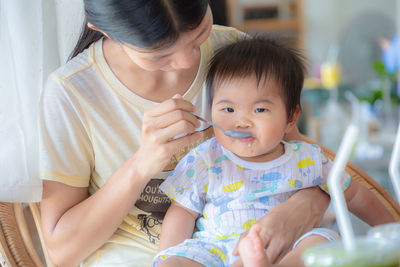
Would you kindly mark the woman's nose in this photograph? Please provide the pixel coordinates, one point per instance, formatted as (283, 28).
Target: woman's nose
(185, 59)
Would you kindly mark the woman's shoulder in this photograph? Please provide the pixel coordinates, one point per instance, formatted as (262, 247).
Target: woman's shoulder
(221, 35)
(77, 75)
(77, 65)
(73, 66)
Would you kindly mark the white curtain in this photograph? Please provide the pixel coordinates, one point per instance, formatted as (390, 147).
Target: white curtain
(36, 36)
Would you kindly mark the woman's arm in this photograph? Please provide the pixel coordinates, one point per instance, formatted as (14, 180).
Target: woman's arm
(288, 221)
(361, 201)
(75, 225)
(365, 205)
(178, 225)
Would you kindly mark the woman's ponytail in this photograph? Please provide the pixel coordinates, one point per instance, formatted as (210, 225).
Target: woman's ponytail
(87, 37)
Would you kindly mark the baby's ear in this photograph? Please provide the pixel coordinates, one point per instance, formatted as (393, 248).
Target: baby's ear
(293, 119)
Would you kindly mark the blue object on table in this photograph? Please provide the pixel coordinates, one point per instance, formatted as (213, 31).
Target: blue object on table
(390, 56)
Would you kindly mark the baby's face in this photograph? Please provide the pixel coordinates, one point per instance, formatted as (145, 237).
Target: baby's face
(239, 105)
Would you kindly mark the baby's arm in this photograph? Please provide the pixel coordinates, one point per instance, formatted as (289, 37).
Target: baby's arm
(177, 226)
(365, 205)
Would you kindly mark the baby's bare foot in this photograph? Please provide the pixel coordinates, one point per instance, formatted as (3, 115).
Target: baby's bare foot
(251, 250)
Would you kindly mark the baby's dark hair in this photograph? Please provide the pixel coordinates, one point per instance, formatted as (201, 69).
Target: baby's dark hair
(265, 58)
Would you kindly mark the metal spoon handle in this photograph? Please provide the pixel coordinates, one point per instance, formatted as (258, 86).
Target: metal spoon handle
(209, 122)
(230, 133)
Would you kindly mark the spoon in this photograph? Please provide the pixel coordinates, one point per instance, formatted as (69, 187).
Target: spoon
(230, 133)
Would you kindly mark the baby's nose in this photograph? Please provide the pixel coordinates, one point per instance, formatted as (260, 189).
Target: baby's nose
(244, 123)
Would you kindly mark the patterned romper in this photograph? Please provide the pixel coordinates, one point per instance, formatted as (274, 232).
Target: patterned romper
(230, 194)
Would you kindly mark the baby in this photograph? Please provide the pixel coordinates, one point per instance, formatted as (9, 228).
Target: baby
(223, 186)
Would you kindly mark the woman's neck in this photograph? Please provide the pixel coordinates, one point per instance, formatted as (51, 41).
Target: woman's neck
(156, 86)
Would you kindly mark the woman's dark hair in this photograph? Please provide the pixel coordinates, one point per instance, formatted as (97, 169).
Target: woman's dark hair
(152, 24)
(266, 59)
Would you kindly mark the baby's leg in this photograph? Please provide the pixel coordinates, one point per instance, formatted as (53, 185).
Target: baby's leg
(192, 252)
(179, 261)
(293, 258)
(251, 250)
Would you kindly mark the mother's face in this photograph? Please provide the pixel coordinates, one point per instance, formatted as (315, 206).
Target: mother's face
(183, 54)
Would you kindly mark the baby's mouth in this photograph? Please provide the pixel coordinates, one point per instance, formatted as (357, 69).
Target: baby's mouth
(248, 140)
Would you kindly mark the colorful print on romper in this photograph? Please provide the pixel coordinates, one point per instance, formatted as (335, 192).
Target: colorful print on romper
(216, 170)
(190, 173)
(220, 159)
(233, 186)
(196, 205)
(269, 182)
(317, 181)
(217, 251)
(298, 146)
(222, 203)
(221, 252)
(248, 224)
(304, 164)
(243, 186)
(181, 190)
(242, 168)
(296, 183)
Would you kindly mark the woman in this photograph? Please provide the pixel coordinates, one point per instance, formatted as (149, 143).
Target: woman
(114, 124)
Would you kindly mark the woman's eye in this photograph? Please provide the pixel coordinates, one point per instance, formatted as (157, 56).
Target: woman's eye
(258, 110)
(157, 58)
(228, 109)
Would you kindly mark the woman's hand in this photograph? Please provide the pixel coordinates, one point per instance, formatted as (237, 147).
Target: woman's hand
(288, 221)
(161, 125)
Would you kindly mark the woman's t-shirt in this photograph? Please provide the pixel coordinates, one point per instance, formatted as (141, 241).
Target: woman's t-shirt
(91, 124)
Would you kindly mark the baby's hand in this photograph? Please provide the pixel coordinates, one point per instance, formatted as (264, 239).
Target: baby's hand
(251, 250)
(274, 236)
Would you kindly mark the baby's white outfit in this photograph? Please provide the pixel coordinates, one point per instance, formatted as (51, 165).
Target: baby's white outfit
(231, 194)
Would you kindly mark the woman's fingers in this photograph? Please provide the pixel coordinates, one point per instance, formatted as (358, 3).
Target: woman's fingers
(174, 131)
(276, 249)
(169, 119)
(174, 116)
(177, 103)
(184, 141)
(166, 128)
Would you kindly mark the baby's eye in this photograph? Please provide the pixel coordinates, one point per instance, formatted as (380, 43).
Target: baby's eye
(228, 110)
(258, 110)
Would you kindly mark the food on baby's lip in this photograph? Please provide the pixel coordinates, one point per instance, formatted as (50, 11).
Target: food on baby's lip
(369, 252)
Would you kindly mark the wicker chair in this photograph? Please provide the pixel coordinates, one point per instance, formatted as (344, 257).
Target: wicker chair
(17, 249)
(16, 246)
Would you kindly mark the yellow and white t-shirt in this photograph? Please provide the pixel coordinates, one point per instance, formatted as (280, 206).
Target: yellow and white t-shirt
(91, 124)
